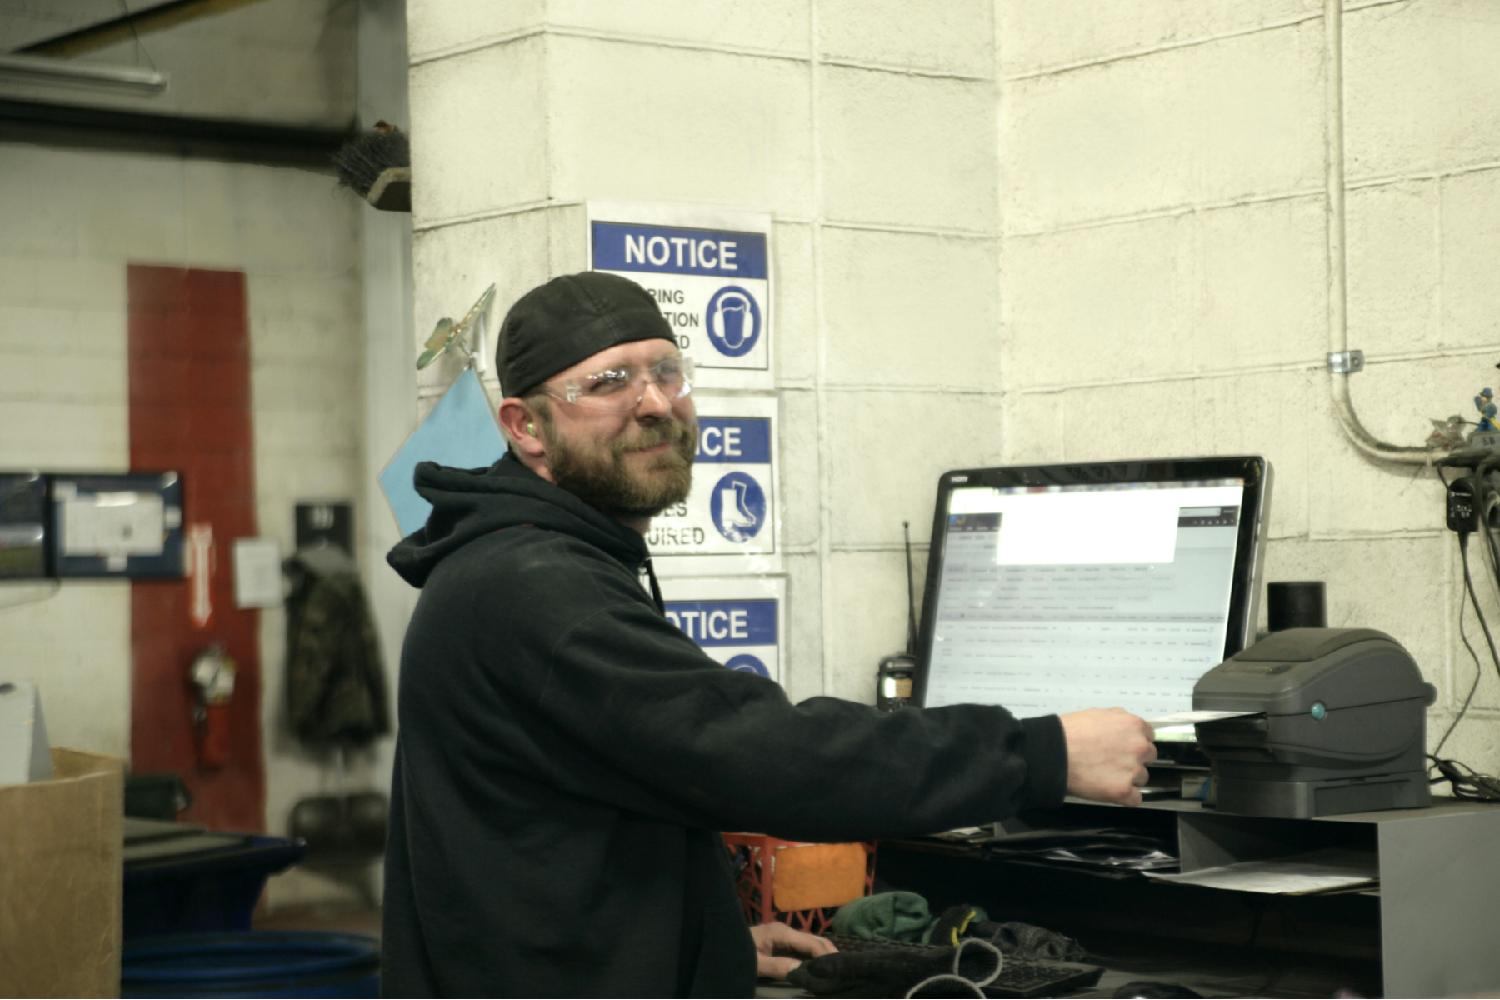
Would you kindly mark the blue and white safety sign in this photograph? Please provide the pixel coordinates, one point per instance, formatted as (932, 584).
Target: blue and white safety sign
(709, 272)
(732, 510)
(736, 621)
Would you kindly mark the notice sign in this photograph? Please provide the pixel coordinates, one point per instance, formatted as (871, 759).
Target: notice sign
(736, 621)
(709, 272)
(731, 511)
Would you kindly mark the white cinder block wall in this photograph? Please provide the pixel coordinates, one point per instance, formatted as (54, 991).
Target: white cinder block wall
(1165, 279)
(63, 255)
(867, 130)
(71, 219)
(1005, 230)
(1022, 230)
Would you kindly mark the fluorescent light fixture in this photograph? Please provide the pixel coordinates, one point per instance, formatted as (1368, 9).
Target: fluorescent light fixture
(48, 69)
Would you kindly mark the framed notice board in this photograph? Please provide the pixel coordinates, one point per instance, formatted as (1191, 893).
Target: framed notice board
(127, 525)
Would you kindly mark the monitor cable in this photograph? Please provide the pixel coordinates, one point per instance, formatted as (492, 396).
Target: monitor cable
(1467, 783)
(1463, 551)
(1488, 499)
(1485, 498)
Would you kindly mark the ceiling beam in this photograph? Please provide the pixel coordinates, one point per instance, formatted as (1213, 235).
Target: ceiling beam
(129, 25)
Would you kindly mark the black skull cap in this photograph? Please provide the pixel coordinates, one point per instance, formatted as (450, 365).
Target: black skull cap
(556, 325)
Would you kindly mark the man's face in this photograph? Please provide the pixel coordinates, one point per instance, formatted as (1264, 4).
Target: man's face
(627, 458)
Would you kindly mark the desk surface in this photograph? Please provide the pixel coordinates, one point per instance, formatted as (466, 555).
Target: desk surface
(1442, 805)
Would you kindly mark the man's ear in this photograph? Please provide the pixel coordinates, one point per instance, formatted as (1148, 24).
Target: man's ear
(520, 426)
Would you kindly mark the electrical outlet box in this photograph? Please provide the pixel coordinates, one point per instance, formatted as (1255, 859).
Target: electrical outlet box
(1461, 515)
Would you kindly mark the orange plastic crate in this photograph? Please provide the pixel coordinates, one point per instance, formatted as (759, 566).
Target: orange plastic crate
(798, 883)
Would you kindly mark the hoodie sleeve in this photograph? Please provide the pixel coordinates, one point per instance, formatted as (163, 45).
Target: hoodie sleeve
(730, 749)
(619, 705)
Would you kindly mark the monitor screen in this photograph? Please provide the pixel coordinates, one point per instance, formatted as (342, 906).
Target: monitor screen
(1063, 587)
(24, 549)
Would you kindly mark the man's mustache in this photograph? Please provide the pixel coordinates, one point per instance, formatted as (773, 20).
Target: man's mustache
(674, 432)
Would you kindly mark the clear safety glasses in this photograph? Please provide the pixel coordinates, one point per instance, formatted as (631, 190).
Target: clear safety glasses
(621, 388)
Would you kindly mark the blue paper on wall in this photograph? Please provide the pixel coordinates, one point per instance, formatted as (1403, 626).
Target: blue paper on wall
(460, 431)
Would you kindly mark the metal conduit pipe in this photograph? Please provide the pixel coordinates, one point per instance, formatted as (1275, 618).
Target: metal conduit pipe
(1338, 292)
(309, 146)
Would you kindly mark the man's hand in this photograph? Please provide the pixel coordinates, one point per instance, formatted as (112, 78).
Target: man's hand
(776, 944)
(1108, 749)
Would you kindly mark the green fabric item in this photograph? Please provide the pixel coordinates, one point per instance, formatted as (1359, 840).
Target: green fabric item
(894, 916)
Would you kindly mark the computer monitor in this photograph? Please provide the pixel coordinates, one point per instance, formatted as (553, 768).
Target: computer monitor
(1054, 588)
(25, 544)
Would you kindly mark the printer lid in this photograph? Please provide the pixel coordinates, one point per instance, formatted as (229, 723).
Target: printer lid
(1299, 645)
(1287, 672)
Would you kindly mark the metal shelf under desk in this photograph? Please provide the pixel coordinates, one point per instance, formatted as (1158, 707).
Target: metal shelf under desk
(1427, 930)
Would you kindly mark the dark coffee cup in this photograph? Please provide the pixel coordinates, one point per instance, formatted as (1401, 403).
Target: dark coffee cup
(1295, 604)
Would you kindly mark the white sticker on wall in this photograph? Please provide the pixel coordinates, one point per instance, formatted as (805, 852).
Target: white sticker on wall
(709, 272)
(738, 622)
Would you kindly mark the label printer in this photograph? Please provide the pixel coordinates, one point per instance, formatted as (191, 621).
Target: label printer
(1339, 725)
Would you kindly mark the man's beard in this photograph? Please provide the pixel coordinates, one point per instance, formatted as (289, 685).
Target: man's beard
(603, 480)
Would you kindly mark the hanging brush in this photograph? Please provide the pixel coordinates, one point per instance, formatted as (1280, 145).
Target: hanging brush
(377, 165)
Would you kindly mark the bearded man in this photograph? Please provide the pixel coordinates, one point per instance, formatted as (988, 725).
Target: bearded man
(567, 758)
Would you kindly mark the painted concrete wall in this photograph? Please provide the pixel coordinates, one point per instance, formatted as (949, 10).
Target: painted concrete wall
(390, 382)
(867, 130)
(1005, 230)
(72, 219)
(1022, 230)
(1165, 281)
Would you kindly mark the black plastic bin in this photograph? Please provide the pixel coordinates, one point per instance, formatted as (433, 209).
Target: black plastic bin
(252, 964)
(199, 882)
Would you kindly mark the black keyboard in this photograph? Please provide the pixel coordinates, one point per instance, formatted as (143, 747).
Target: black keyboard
(1019, 977)
(1038, 977)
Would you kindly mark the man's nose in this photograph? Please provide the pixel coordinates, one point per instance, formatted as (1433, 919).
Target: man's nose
(653, 402)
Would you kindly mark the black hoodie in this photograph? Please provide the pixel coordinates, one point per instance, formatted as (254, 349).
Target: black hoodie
(567, 757)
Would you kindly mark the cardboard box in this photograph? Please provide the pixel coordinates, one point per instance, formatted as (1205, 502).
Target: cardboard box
(60, 879)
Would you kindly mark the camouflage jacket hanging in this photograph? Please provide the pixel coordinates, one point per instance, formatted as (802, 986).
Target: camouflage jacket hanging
(335, 682)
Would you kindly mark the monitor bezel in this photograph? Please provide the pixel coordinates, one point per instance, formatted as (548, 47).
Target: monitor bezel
(1244, 599)
(36, 486)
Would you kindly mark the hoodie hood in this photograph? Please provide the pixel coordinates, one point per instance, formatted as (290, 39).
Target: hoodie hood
(469, 503)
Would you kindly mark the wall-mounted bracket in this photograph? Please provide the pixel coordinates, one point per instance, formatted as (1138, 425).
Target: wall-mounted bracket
(1346, 362)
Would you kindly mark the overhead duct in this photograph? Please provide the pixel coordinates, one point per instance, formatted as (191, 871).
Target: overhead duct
(128, 26)
(45, 69)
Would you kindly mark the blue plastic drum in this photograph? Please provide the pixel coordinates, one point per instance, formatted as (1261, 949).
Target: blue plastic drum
(252, 964)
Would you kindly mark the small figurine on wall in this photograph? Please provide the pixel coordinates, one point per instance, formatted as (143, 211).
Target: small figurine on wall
(1485, 404)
